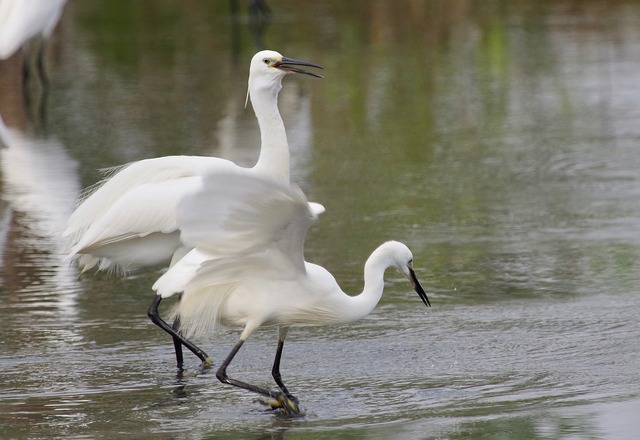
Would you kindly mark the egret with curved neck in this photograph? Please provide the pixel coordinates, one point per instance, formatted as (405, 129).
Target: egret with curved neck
(130, 219)
(247, 269)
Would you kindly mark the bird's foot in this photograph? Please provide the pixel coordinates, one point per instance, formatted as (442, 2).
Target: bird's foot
(287, 402)
(207, 363)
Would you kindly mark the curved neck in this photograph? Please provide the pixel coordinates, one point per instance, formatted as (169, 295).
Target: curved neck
(274, 151)
(359, 306)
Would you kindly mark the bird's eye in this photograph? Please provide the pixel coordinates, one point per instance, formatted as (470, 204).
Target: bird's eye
(266, 61)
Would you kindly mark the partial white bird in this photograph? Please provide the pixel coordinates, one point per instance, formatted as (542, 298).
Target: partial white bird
(22, 20)
(130, 221)
(247, 269)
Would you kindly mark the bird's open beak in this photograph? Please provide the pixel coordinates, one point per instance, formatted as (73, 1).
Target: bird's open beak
(419, 290)
(290, 65)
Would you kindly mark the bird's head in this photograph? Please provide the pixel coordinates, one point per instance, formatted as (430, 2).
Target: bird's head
(268, 67)
(402, 259)
(272, 64)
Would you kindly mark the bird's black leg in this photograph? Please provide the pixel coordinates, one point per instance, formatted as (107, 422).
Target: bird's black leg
(177, 345)
(280, 399)
(178, 339)
(221, 374)
(275, 371)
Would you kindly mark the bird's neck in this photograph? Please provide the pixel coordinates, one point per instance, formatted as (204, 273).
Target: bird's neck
(361, 305)
(274, 151)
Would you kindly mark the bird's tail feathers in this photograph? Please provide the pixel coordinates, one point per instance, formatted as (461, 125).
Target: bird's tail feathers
(199, 310)
(87, 262)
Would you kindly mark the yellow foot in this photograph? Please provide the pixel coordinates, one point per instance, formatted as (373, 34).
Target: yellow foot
(207, 363)
(288, 403)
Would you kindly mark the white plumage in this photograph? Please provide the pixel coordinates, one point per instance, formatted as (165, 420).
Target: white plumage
(129, 220)
(21, 20)
(249, 260)
(247, 267)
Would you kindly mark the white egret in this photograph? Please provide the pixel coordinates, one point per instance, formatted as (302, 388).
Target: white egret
(130, 220)
(247, 269)
(22, 20)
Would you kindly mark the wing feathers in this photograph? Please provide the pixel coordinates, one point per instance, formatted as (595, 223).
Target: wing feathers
(133, 202)
(235, 215)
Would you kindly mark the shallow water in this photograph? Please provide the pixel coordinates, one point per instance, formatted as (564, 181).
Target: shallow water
(499, 142)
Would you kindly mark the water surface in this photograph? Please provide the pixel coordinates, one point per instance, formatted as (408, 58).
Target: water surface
(499, 141)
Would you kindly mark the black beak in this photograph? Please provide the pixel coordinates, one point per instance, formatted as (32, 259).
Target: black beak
(419, 290)
(289, 65)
